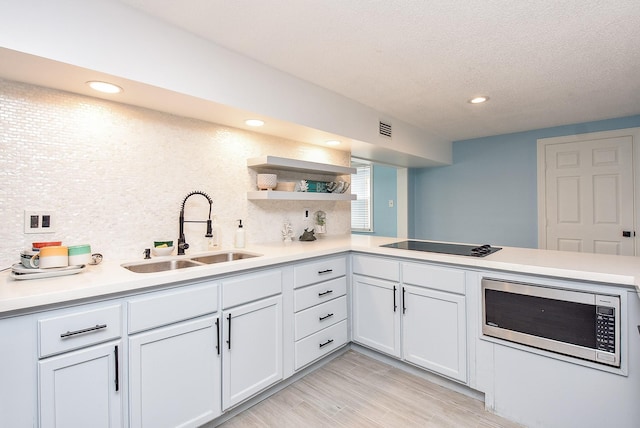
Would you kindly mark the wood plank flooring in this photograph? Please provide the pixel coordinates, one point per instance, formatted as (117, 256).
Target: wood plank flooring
(354, 390)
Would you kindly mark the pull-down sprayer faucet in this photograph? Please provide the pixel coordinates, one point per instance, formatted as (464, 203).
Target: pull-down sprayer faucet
(182, 245)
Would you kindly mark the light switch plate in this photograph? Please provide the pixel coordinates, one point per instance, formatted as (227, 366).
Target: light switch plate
(38, 222)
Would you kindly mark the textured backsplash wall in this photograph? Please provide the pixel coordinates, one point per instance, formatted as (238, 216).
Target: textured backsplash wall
(114, 176)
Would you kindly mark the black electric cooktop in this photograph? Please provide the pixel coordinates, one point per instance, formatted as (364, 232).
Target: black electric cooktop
(445, 248)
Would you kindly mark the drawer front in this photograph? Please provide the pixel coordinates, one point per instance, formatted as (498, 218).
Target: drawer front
(167, 307)
(435, 277)
(250, 287)
(318, 317)
(320, 344)
(79, 329)
(321, 270)
(315, 294)
(376, 267)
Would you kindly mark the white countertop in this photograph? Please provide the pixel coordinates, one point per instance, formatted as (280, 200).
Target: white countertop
(110, 278)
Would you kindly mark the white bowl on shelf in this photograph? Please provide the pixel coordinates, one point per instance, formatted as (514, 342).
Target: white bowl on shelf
(267, 181)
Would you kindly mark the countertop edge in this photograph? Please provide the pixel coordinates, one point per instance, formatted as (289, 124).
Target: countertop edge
(110, 279)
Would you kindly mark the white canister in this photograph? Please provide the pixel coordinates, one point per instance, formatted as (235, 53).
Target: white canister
(79, 255)
(51, 257)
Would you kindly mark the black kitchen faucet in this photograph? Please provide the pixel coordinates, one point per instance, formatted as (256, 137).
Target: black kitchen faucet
(182, 245)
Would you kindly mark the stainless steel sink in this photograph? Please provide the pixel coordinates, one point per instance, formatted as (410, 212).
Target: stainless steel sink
(165, 265)
(223, 257)
(162, 266)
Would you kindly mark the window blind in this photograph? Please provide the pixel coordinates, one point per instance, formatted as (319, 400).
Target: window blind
(361, 207)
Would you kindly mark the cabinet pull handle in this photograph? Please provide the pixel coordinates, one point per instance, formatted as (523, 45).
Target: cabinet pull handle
(84, 330)
(395, 305)
(218, 335)
(229, 339)
(117, 380)
(325, 293)
(322, 272)
(404, 308)
(326, 343)
(325, 317)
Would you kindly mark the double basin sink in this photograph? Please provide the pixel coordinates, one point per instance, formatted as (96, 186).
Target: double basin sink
(173, 264)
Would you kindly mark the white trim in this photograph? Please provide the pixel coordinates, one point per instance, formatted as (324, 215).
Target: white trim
(402, 203)
(634, 133)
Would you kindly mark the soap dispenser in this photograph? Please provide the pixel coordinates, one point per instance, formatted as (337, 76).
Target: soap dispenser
(239, 238)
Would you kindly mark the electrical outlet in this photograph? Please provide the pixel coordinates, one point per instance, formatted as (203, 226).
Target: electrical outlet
(390, 203)
(306, 214)
(38, 222)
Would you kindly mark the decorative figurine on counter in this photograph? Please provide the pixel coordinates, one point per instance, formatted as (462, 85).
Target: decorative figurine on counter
(307, 235)
(321, 222)
(287, 231)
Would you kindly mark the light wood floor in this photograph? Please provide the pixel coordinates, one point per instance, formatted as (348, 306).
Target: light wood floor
(357, 391)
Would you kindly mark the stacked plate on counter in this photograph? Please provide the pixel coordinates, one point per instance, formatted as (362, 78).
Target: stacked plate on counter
(49, 259)
(18, 271)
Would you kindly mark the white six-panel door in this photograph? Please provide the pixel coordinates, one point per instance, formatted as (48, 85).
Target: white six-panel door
(588, 194)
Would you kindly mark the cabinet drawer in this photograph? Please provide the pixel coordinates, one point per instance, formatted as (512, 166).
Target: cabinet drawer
(319, 344)
(376, 267)
(320, 270)
(250, 287)
(436, 277)
(314, 294)
(74, 330)
(168, 307)
(318, 317)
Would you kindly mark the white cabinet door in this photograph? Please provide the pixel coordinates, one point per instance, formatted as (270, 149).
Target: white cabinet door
(81, 388)
(376, 314)
(174, 375)
(252, 349)
(434, 331)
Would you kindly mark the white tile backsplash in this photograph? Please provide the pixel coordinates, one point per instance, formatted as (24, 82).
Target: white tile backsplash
(115, 175)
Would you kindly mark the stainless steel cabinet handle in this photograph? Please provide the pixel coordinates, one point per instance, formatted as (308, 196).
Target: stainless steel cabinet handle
(325, 317)
(395, 306)
(229, 338)
(218, 334)
(326, 343)
(404, 300)
(84, 330)
(117, 380)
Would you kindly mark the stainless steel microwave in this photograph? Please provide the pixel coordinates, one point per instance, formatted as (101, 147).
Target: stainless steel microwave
(579, 324)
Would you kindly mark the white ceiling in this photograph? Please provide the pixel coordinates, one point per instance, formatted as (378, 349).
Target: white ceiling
(543, 63)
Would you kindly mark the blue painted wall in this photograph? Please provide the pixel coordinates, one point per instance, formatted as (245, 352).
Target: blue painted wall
(385, 188)
(489, 194)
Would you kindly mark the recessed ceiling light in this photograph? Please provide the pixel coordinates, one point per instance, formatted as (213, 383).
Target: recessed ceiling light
(479, 100)
(254, 122)
(105, 87)
(332, 143)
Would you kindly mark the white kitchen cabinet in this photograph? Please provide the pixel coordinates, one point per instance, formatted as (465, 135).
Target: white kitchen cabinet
(434, 319)
(175, 375)
(79, 375)
(320, 309)
(82, 388)
(174, 357)
(434, 331)
(420, 319)
(284, 164)
(376, 307)
(376, 314)
(251, 331)
(252, 349)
